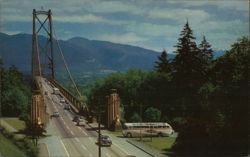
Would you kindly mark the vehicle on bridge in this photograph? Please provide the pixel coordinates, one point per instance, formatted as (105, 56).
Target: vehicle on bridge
(66, 106)
(147, 129)
(80, 122)
(104, 141)
(56, 90)
(55, 114)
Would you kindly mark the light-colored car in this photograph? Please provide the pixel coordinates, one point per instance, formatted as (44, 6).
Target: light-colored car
(55, 114)
(62, 100)
(80, 122)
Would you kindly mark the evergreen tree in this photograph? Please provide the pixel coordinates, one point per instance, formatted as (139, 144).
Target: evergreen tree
(187, 64)
(206, 56)
(188, 72)
(163, 65)
(206, 51)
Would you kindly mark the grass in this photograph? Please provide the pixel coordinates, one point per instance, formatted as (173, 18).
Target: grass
(16, 123)
(159, 143)
(7, 148)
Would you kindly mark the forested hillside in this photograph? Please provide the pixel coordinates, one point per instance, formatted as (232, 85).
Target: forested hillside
(204, 99)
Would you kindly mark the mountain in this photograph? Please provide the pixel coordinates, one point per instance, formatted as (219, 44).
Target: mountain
(82, 55)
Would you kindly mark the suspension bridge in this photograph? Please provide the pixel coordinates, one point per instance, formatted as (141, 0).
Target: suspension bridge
(43, 66)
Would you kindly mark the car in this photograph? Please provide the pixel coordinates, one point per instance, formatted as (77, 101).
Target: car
(80, 121)
(66, 106)
(62, 100)
(76, 118)
(55, 114)
(104, 141)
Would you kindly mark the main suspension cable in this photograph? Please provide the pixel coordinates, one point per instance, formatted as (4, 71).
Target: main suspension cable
(65, 63)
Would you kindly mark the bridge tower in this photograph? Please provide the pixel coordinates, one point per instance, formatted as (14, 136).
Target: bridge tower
(113, 108)
(42, 20)
(42, 23)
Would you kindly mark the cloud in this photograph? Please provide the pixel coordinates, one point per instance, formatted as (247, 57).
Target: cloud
(153, 30)
(148, 23)
(114, 7)
(182, 14)
(89, 18)
(239, 5)
(126, 38)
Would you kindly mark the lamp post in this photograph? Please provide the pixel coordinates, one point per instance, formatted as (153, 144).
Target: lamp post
(140, 122)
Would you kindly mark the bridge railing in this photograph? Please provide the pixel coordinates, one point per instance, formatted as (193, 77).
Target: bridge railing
(77, 105)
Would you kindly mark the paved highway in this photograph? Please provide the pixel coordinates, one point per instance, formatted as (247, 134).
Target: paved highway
(68, 140)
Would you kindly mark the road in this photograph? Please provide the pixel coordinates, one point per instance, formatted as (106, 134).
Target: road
(66, 139)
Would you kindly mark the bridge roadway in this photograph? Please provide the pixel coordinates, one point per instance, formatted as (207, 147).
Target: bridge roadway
(65, 139)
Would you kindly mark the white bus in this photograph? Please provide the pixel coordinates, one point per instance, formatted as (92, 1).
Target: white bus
(147, 129)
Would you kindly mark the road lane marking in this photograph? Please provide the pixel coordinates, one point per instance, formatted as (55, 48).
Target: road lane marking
(65, 148)
(108, 155)
(91, 139)
(83, 147)
(77, 139)
(82, 130)
(90, 155)
(121, 149)
(47, 149)
(67, 127)
(72, 132)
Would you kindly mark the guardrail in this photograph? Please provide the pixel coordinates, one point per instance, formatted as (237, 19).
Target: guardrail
(77, 105)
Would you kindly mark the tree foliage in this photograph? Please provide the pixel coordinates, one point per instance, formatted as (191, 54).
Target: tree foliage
(163, 64)
(15, 94)
(152, 115)
(204, 99)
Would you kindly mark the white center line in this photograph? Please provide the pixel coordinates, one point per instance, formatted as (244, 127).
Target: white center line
(121, 149)
(47, 149)
(83, 147)
(82, 131)
(77, 139)
(90, 155)
(72, 132)
(108, 155)
(65, 148)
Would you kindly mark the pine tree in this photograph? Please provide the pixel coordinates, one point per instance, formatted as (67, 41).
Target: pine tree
(205, 56)
(163, 65)
(187, 65)
(206, 51)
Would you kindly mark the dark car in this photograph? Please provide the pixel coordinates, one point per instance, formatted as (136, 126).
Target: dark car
(77, 118)
(104, 141)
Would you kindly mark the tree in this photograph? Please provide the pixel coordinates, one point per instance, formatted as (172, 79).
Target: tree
(152, 115)
(135, 117)
(15, 94)
(163, 65)
(188, 71)
(206, 56)
(187, 65)
(206, 51)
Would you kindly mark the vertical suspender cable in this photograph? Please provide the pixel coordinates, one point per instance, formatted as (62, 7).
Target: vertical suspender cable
(65, 64)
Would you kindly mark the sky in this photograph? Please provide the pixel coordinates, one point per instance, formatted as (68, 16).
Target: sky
(151, 24)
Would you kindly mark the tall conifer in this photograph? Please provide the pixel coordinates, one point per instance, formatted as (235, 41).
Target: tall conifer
(163, 65)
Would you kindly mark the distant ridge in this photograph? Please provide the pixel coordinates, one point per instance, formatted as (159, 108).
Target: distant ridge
(81, 54)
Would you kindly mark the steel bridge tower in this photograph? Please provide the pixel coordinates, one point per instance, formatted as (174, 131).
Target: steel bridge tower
(45, 24)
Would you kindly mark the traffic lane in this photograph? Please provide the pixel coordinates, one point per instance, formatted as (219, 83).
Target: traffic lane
(120, 143)
(71, 143)
(65, 133)
(89, 142)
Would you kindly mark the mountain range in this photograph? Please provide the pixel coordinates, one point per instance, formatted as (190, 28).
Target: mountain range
(82, 55)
